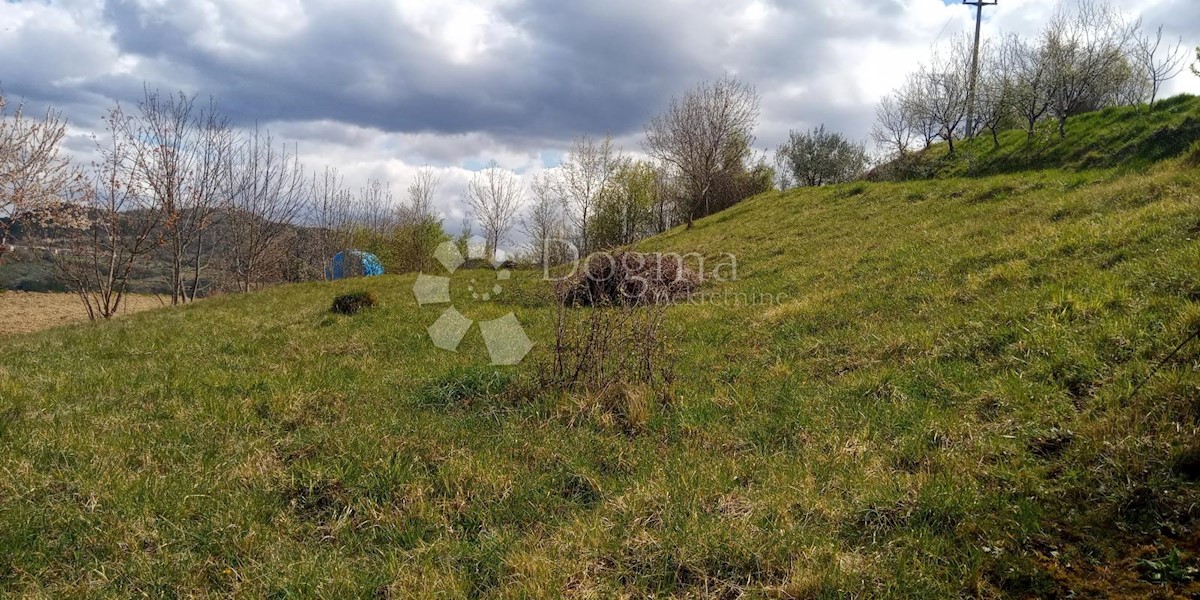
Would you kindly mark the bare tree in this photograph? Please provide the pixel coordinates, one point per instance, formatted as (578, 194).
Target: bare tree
(186, 165)
(374, 208)
(494, 196)
(1159, 63)
(918, 109)
(945, 87)
(418, 229)
(994, 98)
(666, 197)
(1085, 49)
(122, 223)
(582, 179)
(215, 184)
(269, 196)
(330, 215)
(421, 193)
(705, 135)
(893, 130)
(35, 177)
(1029, 68)
(543, 221)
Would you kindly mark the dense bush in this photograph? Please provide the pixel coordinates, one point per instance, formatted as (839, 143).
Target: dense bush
(820, 157)
(354, 303)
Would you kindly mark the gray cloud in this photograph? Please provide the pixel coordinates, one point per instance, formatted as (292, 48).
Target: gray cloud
(379, 87)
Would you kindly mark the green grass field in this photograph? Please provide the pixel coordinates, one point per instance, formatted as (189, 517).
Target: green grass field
(938, 407)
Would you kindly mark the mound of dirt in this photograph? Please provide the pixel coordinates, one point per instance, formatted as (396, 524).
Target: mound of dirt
(629, 278)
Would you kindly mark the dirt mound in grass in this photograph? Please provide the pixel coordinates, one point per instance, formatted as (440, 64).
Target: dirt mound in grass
(629, 278)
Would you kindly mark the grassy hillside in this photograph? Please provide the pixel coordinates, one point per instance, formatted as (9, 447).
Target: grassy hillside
(939, 406)
(1128, 138)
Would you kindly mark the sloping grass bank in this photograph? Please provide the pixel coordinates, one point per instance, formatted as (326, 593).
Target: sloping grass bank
(937, 405)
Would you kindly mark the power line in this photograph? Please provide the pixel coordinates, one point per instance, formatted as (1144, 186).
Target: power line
(943, 31)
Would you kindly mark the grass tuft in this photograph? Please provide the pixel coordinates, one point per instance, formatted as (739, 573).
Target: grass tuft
(1193, 156)
(466, 386)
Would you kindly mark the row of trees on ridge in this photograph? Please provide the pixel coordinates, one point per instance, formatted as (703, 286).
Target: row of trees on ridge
(1090, 56)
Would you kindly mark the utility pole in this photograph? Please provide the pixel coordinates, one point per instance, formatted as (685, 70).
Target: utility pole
(978, 4)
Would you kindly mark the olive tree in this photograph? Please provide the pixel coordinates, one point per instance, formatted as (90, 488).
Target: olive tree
(821, 157)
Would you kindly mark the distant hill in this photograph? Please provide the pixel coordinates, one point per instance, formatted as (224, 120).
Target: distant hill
(30, 267)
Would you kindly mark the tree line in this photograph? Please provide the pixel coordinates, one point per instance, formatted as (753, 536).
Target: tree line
(219, 209)
(229, 210)
(1088, 57)
(174, 183)
(698, 158)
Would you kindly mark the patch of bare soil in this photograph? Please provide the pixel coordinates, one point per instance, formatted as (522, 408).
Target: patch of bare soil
(1166, 570)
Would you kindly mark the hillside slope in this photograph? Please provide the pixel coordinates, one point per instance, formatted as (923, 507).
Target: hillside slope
(938, 405)
(1129, 138)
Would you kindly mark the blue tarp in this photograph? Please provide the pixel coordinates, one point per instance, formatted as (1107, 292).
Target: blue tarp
(360, 263)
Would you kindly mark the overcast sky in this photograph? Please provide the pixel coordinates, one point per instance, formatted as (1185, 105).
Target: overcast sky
(379, 88)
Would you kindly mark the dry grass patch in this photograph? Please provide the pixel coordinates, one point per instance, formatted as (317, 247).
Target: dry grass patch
(27, 312)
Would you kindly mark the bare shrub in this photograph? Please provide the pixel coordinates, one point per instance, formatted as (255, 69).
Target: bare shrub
(629, 278)
(609, 349)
